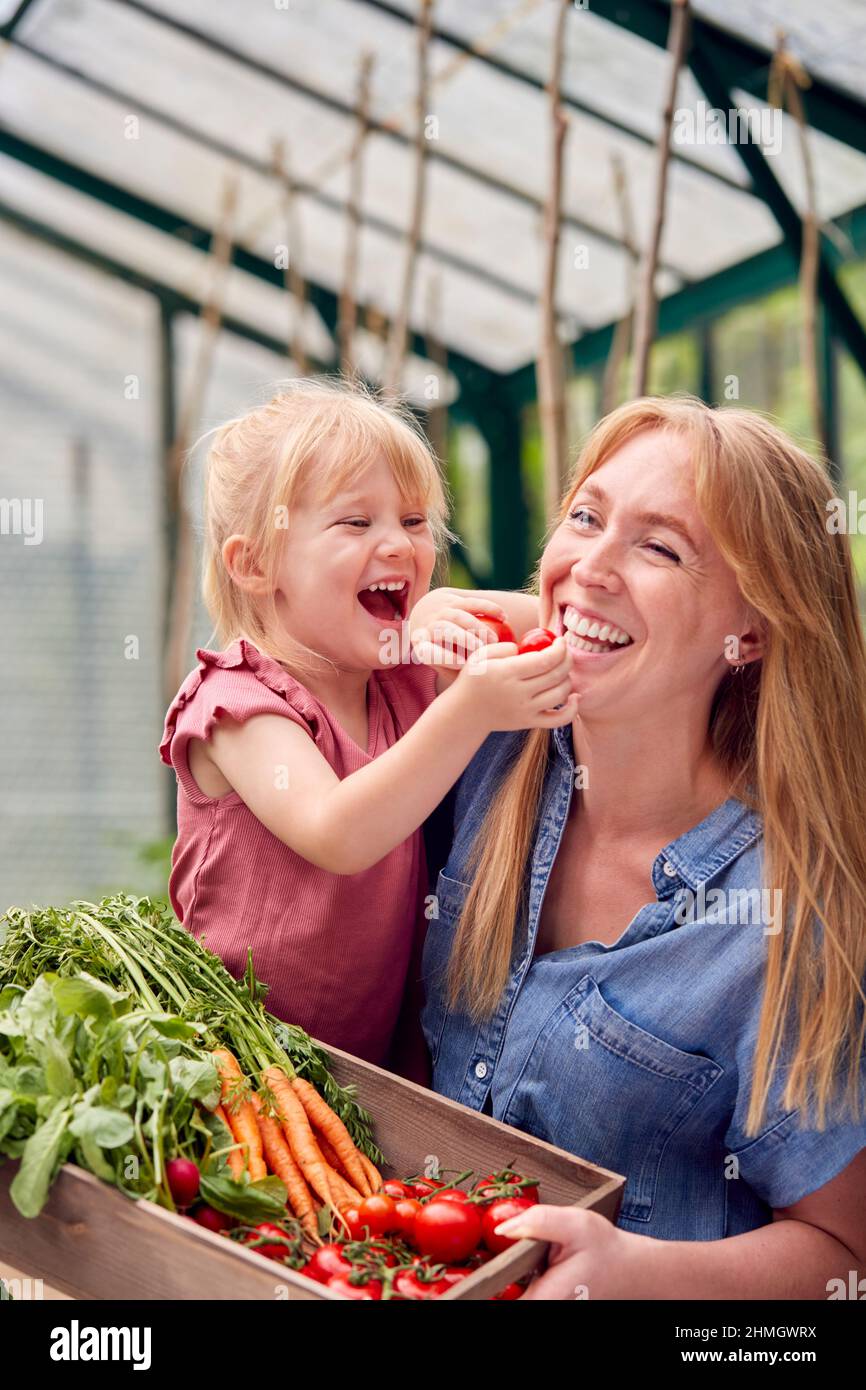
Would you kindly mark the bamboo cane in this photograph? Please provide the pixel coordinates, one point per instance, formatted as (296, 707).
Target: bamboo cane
(293, 277)
(400, 323)
(645, 303)
(623, 331)
(181, 582)
(348, 308)
(787, 79)
(549, 368)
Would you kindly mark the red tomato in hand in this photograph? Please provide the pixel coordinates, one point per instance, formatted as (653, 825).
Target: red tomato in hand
(535, 640)
(499, 1211)
(502, 629)
(447, 1231)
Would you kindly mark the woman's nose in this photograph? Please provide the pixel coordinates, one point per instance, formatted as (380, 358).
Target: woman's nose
(597, 565)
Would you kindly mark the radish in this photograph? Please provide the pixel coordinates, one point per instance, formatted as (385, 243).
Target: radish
(183, 1181)
(212, 1220)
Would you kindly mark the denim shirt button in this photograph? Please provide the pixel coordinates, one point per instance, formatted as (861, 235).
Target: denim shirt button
(669, 869)
(481, 1070)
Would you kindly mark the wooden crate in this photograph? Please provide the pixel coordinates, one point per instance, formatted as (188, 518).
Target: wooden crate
(91, 1241)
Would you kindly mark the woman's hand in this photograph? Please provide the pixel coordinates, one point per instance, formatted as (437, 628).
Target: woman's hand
(589, 1257)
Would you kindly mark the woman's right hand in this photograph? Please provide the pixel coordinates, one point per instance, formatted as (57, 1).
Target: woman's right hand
(509, 692)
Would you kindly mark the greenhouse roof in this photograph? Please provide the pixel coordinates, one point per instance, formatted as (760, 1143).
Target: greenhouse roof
(123, 119)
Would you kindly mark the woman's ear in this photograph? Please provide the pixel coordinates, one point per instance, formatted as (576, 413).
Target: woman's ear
(241, 565)
(751, 644)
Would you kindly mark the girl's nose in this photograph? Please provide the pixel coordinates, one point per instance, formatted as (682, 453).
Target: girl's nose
(397, 542)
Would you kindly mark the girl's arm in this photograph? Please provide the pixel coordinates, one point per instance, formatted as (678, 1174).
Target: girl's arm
(348, 825)
(818, 1239)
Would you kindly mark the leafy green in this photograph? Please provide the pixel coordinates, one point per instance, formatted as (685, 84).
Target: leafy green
(251, 1201)
(137, 947)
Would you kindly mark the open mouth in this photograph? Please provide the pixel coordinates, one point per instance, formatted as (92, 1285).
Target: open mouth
(386, 600)
(586, 633)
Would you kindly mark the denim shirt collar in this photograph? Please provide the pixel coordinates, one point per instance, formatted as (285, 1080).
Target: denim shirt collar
(701, 852)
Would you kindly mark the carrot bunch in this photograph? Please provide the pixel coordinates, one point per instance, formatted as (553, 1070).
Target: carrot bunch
(288, 1128)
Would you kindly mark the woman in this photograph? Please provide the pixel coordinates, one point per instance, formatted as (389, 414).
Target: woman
(650, 946)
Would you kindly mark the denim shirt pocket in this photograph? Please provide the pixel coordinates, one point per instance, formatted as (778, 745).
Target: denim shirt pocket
(448, 899)
(607, 1090)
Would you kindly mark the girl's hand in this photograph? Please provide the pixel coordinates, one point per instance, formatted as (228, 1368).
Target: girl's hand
(504, 691)
(588, 1257)
(444, 626)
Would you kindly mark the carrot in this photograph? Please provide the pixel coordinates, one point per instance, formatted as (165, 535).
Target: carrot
(374, 1177)
(279, 1156)
(240, 1113)
(298, 1131)
(322, 1116)
(234, 1157)
(346, 1194)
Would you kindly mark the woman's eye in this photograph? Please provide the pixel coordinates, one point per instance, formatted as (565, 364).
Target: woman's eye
(663, 550)
(582, 515)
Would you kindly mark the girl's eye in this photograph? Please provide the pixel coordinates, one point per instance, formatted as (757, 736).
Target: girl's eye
(355, 521)
(414, 521)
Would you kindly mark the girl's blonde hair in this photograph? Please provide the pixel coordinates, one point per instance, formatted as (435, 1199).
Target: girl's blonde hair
(789, 730)
(314, 431)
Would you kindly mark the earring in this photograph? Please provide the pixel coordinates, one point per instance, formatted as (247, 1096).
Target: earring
(737, 667)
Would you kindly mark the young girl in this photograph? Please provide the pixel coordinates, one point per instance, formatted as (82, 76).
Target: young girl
(306, 760)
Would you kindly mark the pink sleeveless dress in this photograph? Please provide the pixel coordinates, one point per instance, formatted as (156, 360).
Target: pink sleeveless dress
(335, 950)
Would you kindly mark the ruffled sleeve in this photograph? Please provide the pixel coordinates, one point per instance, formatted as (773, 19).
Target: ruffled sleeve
(238, 683)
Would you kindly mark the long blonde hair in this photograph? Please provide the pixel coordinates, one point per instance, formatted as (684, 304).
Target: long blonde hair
(791, 726)
(313, 430)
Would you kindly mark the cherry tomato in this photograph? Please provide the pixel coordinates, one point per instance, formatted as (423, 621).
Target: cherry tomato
(278, 1251)
(498, 1211)
(377, 1212)
(510, 1292)
(493, 1183)
(396, 1189)
(327, 1261)
(212, 1220)
(409, 1285)
(405, 1211)
(535, 640)
(369, 1291)
(422, 1187)
(447, 1231)
(450, 1194)
(503, 630)
(353, 1223)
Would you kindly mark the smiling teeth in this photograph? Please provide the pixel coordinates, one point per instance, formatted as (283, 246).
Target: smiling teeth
(389, 584)
(591, 628)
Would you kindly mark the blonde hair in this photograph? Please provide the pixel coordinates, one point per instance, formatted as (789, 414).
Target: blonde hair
(258, 464)
(790, 731)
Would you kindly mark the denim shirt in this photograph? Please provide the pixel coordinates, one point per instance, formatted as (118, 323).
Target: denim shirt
(635, 1056)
